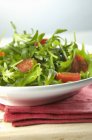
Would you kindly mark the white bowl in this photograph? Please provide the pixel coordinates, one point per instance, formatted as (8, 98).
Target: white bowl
(38, 95)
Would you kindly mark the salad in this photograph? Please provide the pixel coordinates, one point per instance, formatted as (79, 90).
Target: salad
(31, 59)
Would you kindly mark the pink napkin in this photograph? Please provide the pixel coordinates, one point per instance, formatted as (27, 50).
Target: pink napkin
(77, 108)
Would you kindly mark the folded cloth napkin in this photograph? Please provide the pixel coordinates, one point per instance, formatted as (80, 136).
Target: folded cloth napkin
(2, 107)
(77, 108)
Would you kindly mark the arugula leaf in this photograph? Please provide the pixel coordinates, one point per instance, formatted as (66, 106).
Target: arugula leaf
(58, 31)
(90, 69)
(30, 76)
(50, 77)
(13, 26)
(6, 74)
(66, 65)
(41, 36)
(35, 36)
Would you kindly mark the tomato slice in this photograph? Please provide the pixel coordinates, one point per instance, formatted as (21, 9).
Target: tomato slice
(79, 64)
(43, 41)
(2, 53)
(25, 65)
(67, 76)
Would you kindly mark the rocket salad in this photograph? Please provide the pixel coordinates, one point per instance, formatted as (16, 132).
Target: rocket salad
(33, 60)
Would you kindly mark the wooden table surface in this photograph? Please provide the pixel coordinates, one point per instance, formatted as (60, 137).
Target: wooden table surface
(47, 132)
(75, 131)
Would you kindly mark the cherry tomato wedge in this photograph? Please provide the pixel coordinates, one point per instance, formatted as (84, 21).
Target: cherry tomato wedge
(79, 64)
(43, 41)
(67, 76)
(25, 65)
(2, 53)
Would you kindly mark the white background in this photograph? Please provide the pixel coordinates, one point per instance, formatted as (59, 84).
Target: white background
(46, 15)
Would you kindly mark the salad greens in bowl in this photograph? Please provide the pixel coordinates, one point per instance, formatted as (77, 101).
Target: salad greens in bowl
(40, 69)
(33, 60)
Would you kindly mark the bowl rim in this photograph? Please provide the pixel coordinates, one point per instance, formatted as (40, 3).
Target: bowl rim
(49, 86)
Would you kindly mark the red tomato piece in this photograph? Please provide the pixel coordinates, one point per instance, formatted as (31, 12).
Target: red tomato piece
(66, 77)
(79, 64)
(43, 41)
(25, 65)
(2, 53)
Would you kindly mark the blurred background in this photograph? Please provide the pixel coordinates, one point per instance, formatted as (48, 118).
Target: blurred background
(46, 15)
